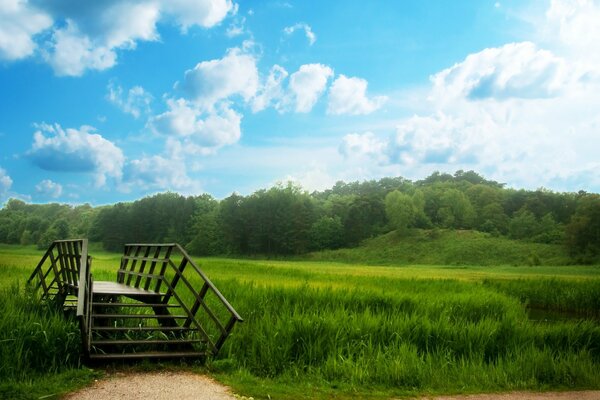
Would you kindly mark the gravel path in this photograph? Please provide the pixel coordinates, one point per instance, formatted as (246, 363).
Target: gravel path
(190, 386)
(154, 385)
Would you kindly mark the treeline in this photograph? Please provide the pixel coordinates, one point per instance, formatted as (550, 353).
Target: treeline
(287, 220)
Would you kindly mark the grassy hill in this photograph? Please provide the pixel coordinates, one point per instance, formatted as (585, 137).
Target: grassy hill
(447, 247)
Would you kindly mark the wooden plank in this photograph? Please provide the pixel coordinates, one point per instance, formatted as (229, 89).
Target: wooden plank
(103, 304)
(165, 354)
(114, 288)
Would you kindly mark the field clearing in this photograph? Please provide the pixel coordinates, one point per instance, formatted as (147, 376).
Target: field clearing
(335, 330)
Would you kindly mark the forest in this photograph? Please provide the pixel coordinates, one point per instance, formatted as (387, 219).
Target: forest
(287, 220)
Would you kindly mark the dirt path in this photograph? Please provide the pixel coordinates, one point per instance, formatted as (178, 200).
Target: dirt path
(190, 386)
(154, 385)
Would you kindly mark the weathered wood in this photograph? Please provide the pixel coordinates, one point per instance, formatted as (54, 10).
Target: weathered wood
(142, 272)
(120, 289)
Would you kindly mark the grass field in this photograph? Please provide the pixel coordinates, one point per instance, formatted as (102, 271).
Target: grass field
(448, 247)
(322, 329)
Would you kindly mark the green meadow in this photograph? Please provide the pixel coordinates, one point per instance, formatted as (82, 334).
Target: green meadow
(319, 328)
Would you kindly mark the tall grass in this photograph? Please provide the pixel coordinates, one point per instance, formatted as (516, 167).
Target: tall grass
(415, 336)
(578, 297)
(39, 348)
(332, 330)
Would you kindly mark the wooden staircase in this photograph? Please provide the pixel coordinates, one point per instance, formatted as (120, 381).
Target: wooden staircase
(161, 305)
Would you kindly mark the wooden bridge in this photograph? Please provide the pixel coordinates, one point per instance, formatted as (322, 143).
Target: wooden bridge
(160, 306)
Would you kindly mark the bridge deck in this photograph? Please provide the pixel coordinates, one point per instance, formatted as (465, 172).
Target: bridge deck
(114, 288)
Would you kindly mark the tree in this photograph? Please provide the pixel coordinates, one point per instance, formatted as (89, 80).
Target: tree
(456, 210)
(326, 233)
(400, 211)
(583, 232)
(523, 225)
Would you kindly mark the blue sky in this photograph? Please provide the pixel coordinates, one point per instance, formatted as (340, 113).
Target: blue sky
(110, 101)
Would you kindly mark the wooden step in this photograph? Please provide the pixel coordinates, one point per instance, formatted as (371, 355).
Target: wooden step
(140, 328)
(143, 316)
(161, 305)
(146, 355)
(146, 341)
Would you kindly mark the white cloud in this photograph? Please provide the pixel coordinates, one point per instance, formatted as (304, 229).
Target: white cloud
(515, 70)
(136, 103)
(271, 93)
(19, 22)
(76, 150)
(88, 35)
(47, 188)
(236, 28)
(307, 85)
(517, 113)
(211, 81)
(158, 173)
(5, 183)
(203, 13)
(574, 25)
(315, 178)
(363, 145)
(201, 133)
(310, 35)
(71, 53)
(349, 96)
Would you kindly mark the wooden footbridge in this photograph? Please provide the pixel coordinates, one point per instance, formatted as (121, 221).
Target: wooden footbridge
(161, 305)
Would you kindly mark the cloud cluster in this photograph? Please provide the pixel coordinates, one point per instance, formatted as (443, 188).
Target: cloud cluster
(212, 81)
(19, 23)
(76, 150)
(518, 113)
(201, 133)
(158, 173)
(515, 70)
(349, 96)
(47, 188)
(136, 102)
(87, 35)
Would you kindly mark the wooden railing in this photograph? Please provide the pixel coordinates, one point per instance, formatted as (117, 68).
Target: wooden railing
(64, 271)
(169, 270)
(160, 273)
(58, 272)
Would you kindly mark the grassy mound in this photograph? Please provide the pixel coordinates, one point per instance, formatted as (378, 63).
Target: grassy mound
(447, 247)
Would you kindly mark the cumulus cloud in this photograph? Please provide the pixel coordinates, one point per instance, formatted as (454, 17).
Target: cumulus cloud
(308, 84)
(515, 70)
(271, 93)
(349, 96)
(574, 25)
(356, 145)
(136, 102)
(203, 13)
(47, 188)
(310, 35)
(519, 113)
(19, 22)
(201, 132)
(87, 35)
(211, 81)
(158, 172)
(76, 150)
(5, 183)
(71, 53)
